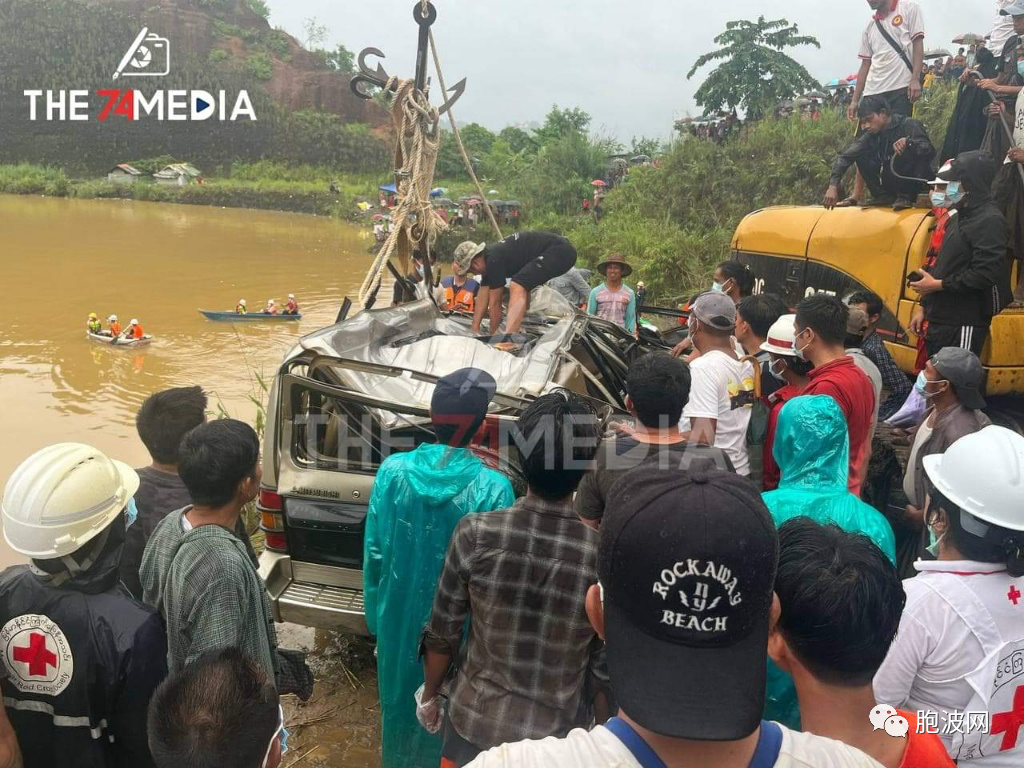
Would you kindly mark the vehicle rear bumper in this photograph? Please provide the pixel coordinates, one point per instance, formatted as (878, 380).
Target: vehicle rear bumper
(297, 599)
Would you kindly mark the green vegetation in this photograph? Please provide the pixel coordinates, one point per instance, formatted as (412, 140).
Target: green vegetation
(260, 66)
(755, 74)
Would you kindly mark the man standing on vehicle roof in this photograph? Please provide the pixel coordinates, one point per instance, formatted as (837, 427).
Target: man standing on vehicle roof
(970, 282)
(892, 59)
(418, 498)
(528, 259)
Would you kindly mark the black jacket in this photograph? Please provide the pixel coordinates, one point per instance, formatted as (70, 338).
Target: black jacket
(81, 663)
(872, 153)
(973, 263)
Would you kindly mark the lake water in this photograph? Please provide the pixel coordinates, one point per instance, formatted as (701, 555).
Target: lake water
(61, 259)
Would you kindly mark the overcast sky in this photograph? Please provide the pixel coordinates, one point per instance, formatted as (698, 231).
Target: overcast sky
(623, 61)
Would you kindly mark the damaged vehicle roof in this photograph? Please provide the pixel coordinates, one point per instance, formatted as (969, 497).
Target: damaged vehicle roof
(395, 354)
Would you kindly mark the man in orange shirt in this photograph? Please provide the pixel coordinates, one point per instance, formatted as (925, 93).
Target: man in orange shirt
(134, 330)
(115, 327)
(823, 640)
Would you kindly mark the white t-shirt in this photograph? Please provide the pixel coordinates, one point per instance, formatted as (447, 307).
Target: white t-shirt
(1002, 29)
(905, 24)
(1018, 124)
(600, 748)
(722, 388)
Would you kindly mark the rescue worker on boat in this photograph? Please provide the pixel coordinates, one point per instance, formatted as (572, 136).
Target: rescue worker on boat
(240, 308)
(271, 308)
(94, 326)
(134, 330)
(292, 308)
(114, 327)
(960, 645)
(81, 658)
(460, 293)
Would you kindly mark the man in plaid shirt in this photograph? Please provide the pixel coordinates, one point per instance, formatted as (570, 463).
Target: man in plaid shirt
(894, 381)
(530, 664)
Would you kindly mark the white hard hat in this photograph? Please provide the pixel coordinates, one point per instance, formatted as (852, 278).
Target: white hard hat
(133, 321)
(61, 497)
(983, 474)
(782, 337)
(242, 302)
(939, 182)
(291, 295)
(112, 319)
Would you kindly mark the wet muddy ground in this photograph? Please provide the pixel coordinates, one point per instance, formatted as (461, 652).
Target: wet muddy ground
(339, 727)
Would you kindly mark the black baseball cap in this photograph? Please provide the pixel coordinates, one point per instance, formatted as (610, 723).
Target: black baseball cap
(461, 399)
(687, 568)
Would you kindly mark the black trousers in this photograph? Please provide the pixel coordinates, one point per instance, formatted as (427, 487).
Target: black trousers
(970, 337)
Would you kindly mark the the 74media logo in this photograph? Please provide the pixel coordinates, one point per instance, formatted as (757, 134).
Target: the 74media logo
(149, 55)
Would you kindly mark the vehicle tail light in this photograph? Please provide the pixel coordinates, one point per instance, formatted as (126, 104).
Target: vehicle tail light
(271, 509)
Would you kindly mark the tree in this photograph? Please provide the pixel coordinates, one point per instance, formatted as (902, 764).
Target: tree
(517, 139)
(644, 146)
(341, 59)
(560, 123)
(755, 74)
(314, 31)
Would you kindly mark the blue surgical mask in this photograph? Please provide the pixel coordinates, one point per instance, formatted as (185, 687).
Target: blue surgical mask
(131, 513)
(1020, 68)
(922, 382)
(718, 287)
(939, 200)
(933, 548)
(954, 192)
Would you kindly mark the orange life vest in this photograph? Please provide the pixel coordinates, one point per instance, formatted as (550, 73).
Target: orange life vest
(460, 299)
(136, 331)
(115, 329)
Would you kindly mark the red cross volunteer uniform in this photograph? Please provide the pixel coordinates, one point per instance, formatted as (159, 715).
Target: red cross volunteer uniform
(904, 23)
(960, 646)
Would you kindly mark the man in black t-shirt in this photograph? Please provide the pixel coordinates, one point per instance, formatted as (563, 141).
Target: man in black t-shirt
(528, 259)
(658, 386)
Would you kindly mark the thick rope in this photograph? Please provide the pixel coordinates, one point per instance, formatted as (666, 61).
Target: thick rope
(414, 222)
(458, 139)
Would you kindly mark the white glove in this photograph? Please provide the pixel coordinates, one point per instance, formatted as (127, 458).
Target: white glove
(429, 713)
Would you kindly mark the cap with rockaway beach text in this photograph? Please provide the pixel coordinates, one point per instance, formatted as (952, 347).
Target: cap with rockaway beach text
(687, 566)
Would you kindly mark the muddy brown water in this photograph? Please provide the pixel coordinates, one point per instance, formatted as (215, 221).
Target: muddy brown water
(62, 259)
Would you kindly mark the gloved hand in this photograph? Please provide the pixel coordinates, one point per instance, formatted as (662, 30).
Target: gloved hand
(429, 713)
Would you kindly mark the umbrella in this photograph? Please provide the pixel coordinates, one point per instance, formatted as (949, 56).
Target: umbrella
(474, 201)
(968, 39)
(465, 199)
(852, 78)
(815, 95)
(378, 216)
(598, 183)
(640, 159)
(388, 188)
(493, 192)
(438, 191)
(513, 204)
(443, 201)
(937, 53)
(839, 83)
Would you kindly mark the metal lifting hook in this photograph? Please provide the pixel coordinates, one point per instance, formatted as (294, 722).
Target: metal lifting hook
(425, 14)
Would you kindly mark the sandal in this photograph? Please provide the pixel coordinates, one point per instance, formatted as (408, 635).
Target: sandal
(850, 202)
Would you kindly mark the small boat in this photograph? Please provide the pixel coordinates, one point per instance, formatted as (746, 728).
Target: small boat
(104, 338)
(235, 317)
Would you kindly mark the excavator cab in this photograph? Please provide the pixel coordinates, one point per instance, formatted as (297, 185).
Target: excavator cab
(800, 251)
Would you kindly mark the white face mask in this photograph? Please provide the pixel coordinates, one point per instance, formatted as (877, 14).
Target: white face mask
(797, 350)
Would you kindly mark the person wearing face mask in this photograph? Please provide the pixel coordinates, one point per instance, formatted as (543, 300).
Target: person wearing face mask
(961, 636)
(951, 383)
(722, 390)
(221, 710)
(790, 373)
(820, 332)
(80, 657)
(970, 282)
(731, 278)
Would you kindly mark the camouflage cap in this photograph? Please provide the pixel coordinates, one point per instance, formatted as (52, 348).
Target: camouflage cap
(464, 255)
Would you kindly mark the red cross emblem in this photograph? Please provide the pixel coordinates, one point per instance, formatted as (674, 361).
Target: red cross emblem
(36, 655)
(1010, 723)
(1014, 594)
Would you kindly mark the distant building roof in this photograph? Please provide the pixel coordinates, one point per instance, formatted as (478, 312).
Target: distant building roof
(175, 170)
(130, 170)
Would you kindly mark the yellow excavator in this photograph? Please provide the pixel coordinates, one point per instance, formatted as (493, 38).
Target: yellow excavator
(799, 251)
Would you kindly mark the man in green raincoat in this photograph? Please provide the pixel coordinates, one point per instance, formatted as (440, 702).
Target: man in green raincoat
(417, 500)
(812, 449)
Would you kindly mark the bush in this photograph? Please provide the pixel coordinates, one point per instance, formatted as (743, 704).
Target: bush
(260, 66)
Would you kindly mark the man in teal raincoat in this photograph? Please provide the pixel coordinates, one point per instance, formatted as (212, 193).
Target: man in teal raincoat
(812, 449)
(417, 500)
